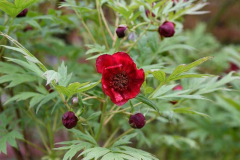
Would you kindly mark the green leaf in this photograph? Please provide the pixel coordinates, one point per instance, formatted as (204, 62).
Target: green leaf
(190, 76)
(22, 96)
(65, 78)
(148, 102)
(196, 63)
(163, 89)
(46, 99)
(16, 49)
(189, 111)
(16, 79)
(159, 75)
(14, 9)
(88, 87)
(95, 153)
(52, 75)
(184, 68)
(124, 140)
(96, 48)
(72, 88)
(9, 137)
(148, 90)
(28, 65)
(86, 136)
(33, 23)
(174, 95)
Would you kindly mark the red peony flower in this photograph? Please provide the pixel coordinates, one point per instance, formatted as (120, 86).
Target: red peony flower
(121, 80)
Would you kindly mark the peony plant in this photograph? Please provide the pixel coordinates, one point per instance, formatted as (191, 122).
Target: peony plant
(125, 57)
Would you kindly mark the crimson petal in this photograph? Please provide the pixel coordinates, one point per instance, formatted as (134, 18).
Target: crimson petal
(104, 61)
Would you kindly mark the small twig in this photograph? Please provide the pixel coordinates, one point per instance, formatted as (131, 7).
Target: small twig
(139, 38)
(110, 138)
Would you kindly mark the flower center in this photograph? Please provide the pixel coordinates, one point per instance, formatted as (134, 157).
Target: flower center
(119, 81)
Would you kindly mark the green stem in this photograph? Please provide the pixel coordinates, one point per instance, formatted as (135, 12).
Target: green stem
(140, 24)
(128, 131)
(101, 121)
(2, 40)
(116, 25)
(114, 112)
(125, 133)
(139, 38)
(100, 21)
(106, 24)
(85, 26)
(33, 145)
(158, 87)
(51, 137)
(110, 138)
(43, 140)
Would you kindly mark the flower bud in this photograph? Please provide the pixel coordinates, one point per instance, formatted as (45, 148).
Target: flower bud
(121, 31)
(23, 13)
(74, 100)
(147, 12)
(137, 121)
(178, 88)
(166, 29)
(49, 89)
(28, 28)
(69, 120)
(232, 67)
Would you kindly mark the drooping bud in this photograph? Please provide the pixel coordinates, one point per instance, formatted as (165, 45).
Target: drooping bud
(121, 31)
(74, 100)
(23, 13)
(178, 88)
(49, 89)
(137, 120)
(69, 120)
(232, 67)
(147, 12)
(167, 29)
(28, 28)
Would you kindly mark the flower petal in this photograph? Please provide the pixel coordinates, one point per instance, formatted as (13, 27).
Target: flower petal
(122, 58)
(104, 61)
(118, 98)
(136, 82)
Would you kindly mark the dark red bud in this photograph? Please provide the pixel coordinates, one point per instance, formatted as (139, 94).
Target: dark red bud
(69, 120)
(121, 31)
(178, 88)
(28, 28)
(147, 12)
(23, 13)
(137, 121)
(74, 100)
(173, 102)
(49, 89)
(232, 67)
(167, 29)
